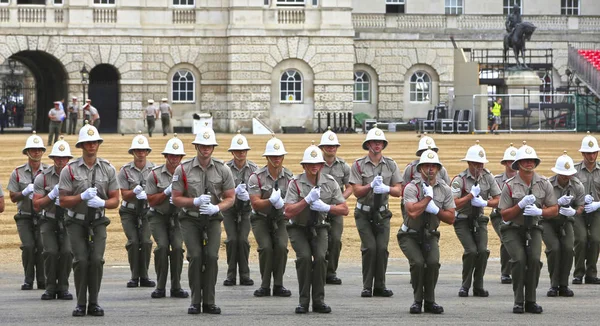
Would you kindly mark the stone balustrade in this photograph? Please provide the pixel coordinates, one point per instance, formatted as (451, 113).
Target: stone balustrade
(105, 15)
(31, 15)
(184, 16)
(291, 16)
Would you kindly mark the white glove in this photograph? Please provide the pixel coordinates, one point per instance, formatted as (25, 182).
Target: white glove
(202, 200)
(28, 190)
(168, 190)
(589, 199)
(171, 200)
(57, 201)
(54, 193)
(278, 204)
(478, 202)
(592, 207)
(565, 200)
(532, 210)
(30, 196)
(243, 196)
(209, 209)
(381, 189)
(275, 196)
(313, 195)
(527, 200)
(428, 191)
(319, 206)
(378, 180)
(432, 208)
(567, 211)
(240, 188)
(96, 202)
(142, 196)
(475, 190)
(89, 193)
(138, 189)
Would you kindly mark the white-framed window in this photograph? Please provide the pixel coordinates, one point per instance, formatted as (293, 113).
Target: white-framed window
(290, 2)
(453, 7)
(569, 7)
(267, 2)
(509, 4)
(362, 87)
(315, 3)
(58, 2)
(184, 87)
(546, 88)
(420, 87)
(395, 6)
(290, 87)
(4, 2)
(183, 2)
(104, 2)
(31, 2)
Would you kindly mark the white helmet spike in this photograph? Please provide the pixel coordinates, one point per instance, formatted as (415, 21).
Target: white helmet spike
(509, 154)
(139, 142)
(33, 141)
(274, 147)
(206, 136)
(525, 152)
(476, 154)
(329, 138)
(564, 165)
(174, 146)
(589, 144)
(312, 154)
(61, 149)
(374, 134)
(239, 143)
(88, 133)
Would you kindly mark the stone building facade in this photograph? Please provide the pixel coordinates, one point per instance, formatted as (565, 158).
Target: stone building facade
(283, 61)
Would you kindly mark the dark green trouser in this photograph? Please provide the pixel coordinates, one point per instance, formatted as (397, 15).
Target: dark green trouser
(236, 244)
(58, 258)
(201, 283)
(169, 249)
(151, 123)
(586, 247)
(272, 249)
(525, 268)
(53, 131)
(97, 123)
(559, 250)
(87, 266)
(424, 265)
(31, 249)
(138, 256)
(72, 123)
(475, 253)
(374, 249)
(165, 118)
(335, 244)
(504, 257)
(311, 264)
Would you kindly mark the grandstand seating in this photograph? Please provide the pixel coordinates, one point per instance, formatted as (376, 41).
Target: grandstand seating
(592, 56)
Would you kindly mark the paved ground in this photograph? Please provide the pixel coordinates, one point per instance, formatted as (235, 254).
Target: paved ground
(135, 307)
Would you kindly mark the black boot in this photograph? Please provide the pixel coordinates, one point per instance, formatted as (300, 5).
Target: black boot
(146, 282)
(463, 293)
(95, 310)
(481, 293)
(416, 307)
(552, 292)
(158, 293)
(301, 309)
(48, 295)
(533, 308)
(229, 282)
(211, 309)
(564, 291)
(79, 311)
(179, 293)
(194, 309)
(321, 308)
(262, 292)
(433, 308)
(133, 283)
(280, 291)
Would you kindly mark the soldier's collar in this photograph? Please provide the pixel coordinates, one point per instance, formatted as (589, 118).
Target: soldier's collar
(534, 179)
(382, 160)
(303, 178)
(196, 162)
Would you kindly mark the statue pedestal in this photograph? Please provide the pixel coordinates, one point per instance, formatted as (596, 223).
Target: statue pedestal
(524, 85)
(520, 79)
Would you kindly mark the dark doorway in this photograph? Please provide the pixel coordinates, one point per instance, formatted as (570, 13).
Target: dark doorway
(104, 93)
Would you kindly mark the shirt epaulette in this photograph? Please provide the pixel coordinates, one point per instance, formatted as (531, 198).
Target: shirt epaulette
(48, 170)
(341, 160)
(330, 177)
(252, 164)
(20, 166)
(103, 160)
(287, 172)
(157, 167)
(216, 160)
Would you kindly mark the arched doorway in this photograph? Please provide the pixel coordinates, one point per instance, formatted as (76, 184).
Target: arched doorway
(104, 93)
(49, 85)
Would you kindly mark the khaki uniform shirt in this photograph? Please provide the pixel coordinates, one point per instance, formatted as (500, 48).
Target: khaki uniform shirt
(151, 110)
(299, 188)
(164, 108)
(442, 197)
(363, 171)
(242, 174)
(130, 176)
(54, 114)
(339, 170)
(76, 177)
(590, 180)
(515, 189)
(43, 184)
(157, 181)
(500, 180)
(574, 186)
(461, 186)
(261, 183)
(20, 178)
(73, 108)
(192, 179)
(410, 173)
(93, 112)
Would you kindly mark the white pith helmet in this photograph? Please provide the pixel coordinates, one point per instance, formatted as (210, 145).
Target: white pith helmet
(329, 138)
(174, 146)
(88, 133)
(164, 99)
(426, 143)
(61, 149)
(207, 137)
(589, 144)
(476, 154)
(151, 101)
(312, 154)
(564, 165)
(140, 142)
(274, 147)
(374, 134)
(525, 152)
(429, 156)
(509, 154)
(239, 143)
(34, 141)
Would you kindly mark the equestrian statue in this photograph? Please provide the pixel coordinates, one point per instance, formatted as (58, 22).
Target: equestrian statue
(518, 32)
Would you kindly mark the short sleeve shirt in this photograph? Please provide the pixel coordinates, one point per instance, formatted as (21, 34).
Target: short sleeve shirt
(76, 177)
(461, 186)
(339, 170)
(261, 183)
(74, 108)
(157, 181)
(20, 178)
(299, 188)
(515, 189)
(94, 111)
(164, 108)
(54, 114)
(442, 197)
(363, 171)
(150, 110)
(216, 178)
(590, 181)
(130, 176)
(573, 188)
(43, 184)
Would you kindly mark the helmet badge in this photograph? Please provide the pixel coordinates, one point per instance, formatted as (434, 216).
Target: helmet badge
(567, 165)
(90, 132)
(428, 141)
(175, 146)
(206, 135)
(61, 148)
(378, 132)
(513, 153)
(430, 155)
(140, 141)
(590, 144)
(481, 154)
(276, 146)
(313, 154)
(331, 137)
(528, 150)
(36, 140)
(240, 141)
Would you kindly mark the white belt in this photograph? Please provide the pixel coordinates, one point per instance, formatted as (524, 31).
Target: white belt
(49, 214)
(405, 228)
(366, 208)
(129, 205)
(79, 216)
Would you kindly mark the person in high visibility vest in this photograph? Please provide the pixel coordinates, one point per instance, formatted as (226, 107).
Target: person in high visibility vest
(496, 110)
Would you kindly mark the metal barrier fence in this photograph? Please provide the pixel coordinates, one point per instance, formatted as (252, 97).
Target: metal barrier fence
(535, 112)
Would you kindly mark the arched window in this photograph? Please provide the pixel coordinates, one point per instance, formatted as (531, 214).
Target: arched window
(362, 87)
(184, 87)
(290, 87)
(420, 87)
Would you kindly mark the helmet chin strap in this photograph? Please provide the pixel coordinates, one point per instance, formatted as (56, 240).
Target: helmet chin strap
(237, 158)
(33, 158)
